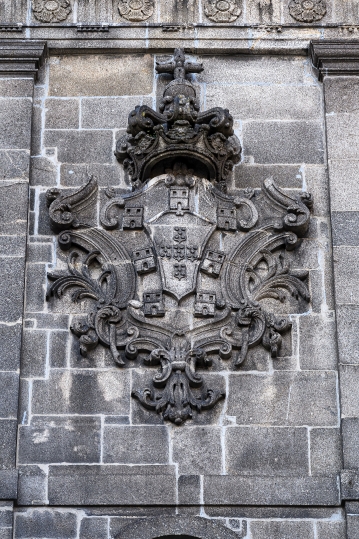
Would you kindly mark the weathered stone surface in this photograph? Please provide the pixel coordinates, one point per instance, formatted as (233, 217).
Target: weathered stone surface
(8, 430)
(283, 398)
(95, 526)
(9, 382)
(278, 530)
(40, 523)
(136, 445)
(350, 429)
(16, 87)
(252, 175)
(283, 142)
(100, 75)
(83, 392)
(205, 455)
(74, 146)
(42, 218)
(344, 195)
(40, 252)
(32, 486)
(110, 112)
(341, 94)
(111, 485)
(256, 490)
(62, 114)
(343, 135)
(334, 530)
(349, 480)
(8, 484)
(11, 288)
(254, 69)
(34, 353)
(325, 451)
(43, 171)
(344, 224)
(16, 245)
(189, 487)
(35, 287)
(316, 182)
(353, 527)
(349, 379)
(271, 102)
(51, 439)
(58, 348)
(15, 121)
(346, 266)
(317, 346)
(13, 214)
(348, 337)
(266, 451)
(107, 175)
(10, 337)
(14, 164)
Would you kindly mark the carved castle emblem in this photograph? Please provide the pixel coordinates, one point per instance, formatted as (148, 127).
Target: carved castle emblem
(51, 10)
(136, 10)
(307, 10)
(180, 274)
(222, 10)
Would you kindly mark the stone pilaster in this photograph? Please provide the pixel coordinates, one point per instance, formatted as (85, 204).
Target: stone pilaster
(337, 63)
(19, 63)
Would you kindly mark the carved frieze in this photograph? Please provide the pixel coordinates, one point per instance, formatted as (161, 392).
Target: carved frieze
(51, 10)
(136, 10)
(222, 10)
(181, 275)
(307, 10)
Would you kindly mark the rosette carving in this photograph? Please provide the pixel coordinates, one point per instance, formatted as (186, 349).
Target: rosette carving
(222, 10)
(51, 10)
(136, 10)
(307, 10)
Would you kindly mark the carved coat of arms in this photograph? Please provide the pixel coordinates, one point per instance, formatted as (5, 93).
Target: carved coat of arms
(179, 272)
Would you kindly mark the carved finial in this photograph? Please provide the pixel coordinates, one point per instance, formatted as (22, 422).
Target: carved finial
(178, 65)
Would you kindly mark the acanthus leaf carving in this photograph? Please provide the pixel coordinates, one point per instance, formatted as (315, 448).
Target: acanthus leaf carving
(181, 275)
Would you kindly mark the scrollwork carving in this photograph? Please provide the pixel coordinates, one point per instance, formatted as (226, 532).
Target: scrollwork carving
(179, 274)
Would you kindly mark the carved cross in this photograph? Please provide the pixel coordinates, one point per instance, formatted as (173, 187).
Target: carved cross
(178, 65)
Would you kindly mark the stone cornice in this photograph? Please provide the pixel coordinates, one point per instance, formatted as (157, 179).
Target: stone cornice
(335, 57)
(21, 57)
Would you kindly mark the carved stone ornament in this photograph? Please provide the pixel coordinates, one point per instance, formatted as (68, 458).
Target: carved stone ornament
(222, 10)
(51, 10)
(307, 10)
(179, 274)
(136, 10)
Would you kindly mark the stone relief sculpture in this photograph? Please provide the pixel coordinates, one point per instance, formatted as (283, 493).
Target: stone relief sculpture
(136, 10)
(222, 10)
(307, 10)
(51, 10)
(180, 273)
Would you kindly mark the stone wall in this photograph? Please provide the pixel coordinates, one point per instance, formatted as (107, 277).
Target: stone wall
(277, 456)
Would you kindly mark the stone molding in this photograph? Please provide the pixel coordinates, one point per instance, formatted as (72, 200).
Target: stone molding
(21, 57)
(335, 57)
